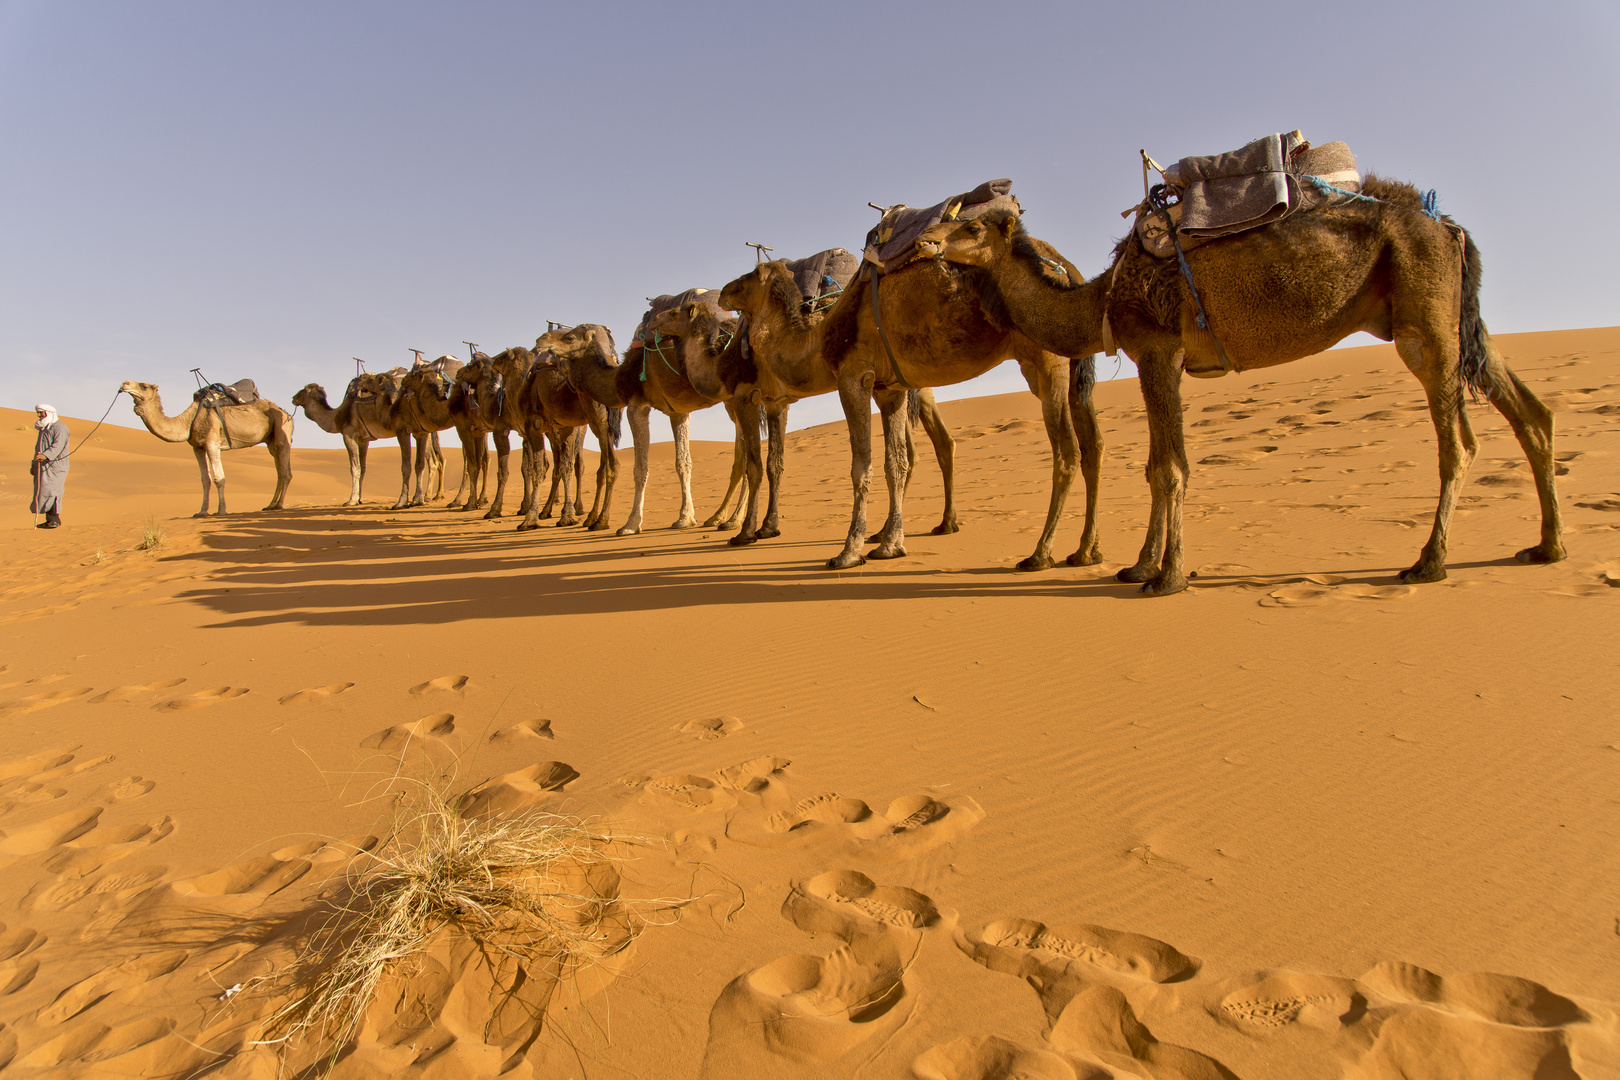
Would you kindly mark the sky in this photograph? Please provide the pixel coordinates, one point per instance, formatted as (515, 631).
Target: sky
(267, 190)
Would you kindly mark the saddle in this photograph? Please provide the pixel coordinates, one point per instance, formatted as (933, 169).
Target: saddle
(220, 395)
(443, 371)
(1256, 185)
(666, 302)
(823, 276)
(893, 240)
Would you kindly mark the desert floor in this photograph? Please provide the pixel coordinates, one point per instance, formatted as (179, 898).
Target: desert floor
(929, 817)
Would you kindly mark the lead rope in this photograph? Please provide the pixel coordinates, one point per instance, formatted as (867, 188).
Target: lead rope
(1159, 202)
(883, 335)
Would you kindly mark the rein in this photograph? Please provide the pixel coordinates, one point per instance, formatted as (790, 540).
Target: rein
(86, 438)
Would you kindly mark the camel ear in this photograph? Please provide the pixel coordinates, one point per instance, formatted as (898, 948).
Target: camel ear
(1008, 226)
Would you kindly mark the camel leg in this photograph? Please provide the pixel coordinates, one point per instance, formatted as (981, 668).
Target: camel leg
(855, 395)
(568, 474)
(579, 470)
(1083, 411)
(363, 447)
(1532, 425)
(556, 476)
(539, 465)
(640, 415)
(895, 413)
(352, 448)
(607, 471)
(1160, 564)
(477, 459)
(503, 451)
(280, 446)
(404, 499)
(680, 425)
(1052, 386)
(468, 476)
(753, 467)
(1435, 363)
(207, 481)
(216, 472)
(775, 460)
(435, 484)
(739, 462)
(945, 453)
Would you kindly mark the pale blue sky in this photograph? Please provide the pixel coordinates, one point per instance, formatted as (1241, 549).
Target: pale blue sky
(266, 190)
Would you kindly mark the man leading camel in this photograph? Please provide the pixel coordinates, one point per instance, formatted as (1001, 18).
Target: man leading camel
(50, 466)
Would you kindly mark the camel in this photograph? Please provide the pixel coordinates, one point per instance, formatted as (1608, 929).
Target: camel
(579, 386)
(679, 374)
(231, 427)
(931, 313)
(494, 410)
(1379, 264)
(357, 435)
(429, 399)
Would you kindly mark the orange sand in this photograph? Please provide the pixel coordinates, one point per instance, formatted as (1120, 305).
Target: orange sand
(942, 819)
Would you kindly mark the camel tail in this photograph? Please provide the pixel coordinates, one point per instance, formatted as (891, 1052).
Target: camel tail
(1082, 377)
(615, 424)
(914, 408)
(1473, 351)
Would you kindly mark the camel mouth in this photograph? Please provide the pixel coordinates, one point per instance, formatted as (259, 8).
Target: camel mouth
(930, 249)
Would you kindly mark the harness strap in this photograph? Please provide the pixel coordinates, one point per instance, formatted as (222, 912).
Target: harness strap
(1156, 199)
(883, 335)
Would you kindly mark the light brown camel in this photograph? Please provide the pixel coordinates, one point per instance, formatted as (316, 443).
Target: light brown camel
(231, 427)
(784, 335)
(679, 374)
(931, 313)
(431, 400)
(357, 436)
(495, 410)
(493, 386)
(575, 386)
(1273, 295)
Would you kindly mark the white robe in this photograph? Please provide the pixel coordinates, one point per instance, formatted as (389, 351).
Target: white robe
(50, 475)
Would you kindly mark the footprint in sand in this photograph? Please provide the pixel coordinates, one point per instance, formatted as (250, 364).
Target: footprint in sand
(1269, 1000)
(990, 1057)
(36, 702)
(829, 808)
(44, 835)
(527, 729)
(717, 727)
(1425, 1043)
(809, 1008)
(847, 903)
(1099, 1024)
(1238, 457)
(124, 693)
(315, 693)
(61, 894)
(452, 683)
(15, 943)
(1024, 947)
(86, 993)
(125, 790)
(1501, 999)
(753, 775)
(1311, 594)
(255, 879)
(202, 699)
(89, 852)
(14, 975)
(149, 1034)
(431, 730)
(37, 763)
(520, 790)
(688, 791)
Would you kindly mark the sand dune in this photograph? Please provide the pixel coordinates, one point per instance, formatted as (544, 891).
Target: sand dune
(927, 818)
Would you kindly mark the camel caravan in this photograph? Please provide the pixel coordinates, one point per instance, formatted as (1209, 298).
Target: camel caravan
(1234, 262)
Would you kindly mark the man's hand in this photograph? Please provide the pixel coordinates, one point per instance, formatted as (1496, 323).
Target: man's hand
(40, 457)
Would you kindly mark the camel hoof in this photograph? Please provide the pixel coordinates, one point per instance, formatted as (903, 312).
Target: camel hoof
(492, 515)
(200, 513)
(1541, 553)
(628, 530)
(742, 539)
(845, 560)
(767, 532)
(566, 523)
(1165, 585)
(1085, 558)
(722, 526)
(1036, 562)
(946, 527)
(1422, 575)
(1136, 575)
(685, 523)
(887, 551)
(597, 526)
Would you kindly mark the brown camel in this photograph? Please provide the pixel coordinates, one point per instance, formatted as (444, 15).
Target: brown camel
(493, 386)
(784, 336)
(431, 400)
(679, 363)
(495, 410)
(577, 387)
(1273, 295)
(931, 314)
(209, 431)
(357, 434)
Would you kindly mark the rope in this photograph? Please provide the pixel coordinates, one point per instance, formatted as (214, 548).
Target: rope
(1158, 200)
(86, 438)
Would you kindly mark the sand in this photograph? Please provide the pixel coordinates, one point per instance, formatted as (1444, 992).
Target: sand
(933, 817)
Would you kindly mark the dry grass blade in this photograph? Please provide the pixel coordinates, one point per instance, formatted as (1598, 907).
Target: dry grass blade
(152, 535)
(536, 887)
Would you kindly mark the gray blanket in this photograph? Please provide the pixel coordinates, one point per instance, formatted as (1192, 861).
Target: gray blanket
(1259, 183)
(893, 240)
(823, 275)
(668, 300)
(218, 395)
(50, 475)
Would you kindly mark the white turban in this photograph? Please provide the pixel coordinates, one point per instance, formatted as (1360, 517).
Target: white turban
(48, 419)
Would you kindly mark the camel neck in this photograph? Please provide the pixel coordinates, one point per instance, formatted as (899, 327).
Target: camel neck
(1066, 320)
(168, 428)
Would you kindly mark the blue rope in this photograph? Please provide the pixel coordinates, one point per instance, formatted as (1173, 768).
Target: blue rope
(1431, 203)
(1328, 189)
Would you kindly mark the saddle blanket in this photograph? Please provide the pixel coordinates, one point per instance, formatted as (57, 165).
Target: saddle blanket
(219, 395)
(893, 241)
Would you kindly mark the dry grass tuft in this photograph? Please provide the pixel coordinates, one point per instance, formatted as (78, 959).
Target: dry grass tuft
(152, 535)
(537, 888)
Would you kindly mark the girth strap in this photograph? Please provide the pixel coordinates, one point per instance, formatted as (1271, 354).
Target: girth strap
(883, 335)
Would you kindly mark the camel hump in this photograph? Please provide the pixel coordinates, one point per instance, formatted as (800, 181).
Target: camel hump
(1260, 183)
(893, 241)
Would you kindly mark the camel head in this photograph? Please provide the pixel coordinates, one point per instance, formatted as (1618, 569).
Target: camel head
(140, 391)
(312, 394)
(483, 385)
(768, 284)
(671, 322)
(986, 240)
(576, 343)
